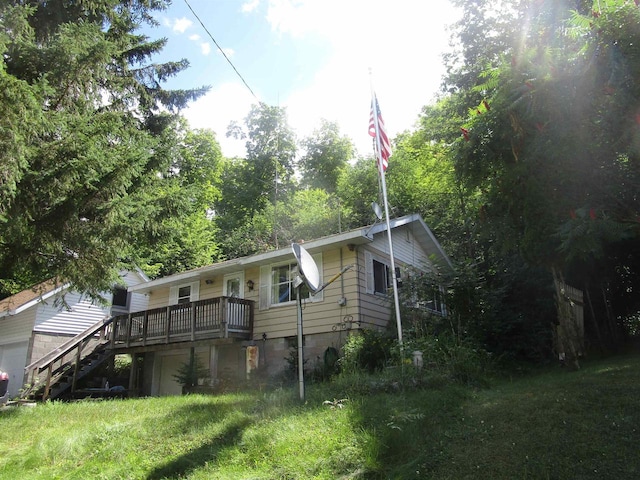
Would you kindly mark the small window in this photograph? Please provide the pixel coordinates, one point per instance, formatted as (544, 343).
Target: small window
(282, 289)
(381, 280)
(430, 298)
(436, 303)
(120, 297)
(184, 294)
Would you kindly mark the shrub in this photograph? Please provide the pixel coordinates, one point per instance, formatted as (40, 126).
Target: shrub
(369, 350)
(460, 360)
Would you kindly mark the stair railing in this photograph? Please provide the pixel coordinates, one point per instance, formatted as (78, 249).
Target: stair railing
(101, 329)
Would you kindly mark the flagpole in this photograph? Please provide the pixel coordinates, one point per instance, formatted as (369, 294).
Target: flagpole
(374, 106)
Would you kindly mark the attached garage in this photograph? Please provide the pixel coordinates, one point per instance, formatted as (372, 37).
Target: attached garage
(13, 357)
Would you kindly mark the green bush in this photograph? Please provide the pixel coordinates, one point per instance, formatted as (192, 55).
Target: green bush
(368, 350)
(460, 360)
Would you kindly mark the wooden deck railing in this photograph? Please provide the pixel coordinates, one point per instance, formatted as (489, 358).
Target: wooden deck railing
(220, 317)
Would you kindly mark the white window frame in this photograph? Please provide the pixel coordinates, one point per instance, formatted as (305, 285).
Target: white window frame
(439, 305)
(194, 293)
(437, 301)
(266, 284)
(369, 258)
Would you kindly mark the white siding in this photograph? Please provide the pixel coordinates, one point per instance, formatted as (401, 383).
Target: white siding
(17, 328)
(138, 301)
(406, 249)
(12, 360)
(376, 308)
(79, 314)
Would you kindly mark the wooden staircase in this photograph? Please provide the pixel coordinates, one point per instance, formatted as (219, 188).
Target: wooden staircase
(59, 371)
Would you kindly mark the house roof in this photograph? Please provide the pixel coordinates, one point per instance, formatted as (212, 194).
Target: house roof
(27, 298)
(359, 236)
(31, 296)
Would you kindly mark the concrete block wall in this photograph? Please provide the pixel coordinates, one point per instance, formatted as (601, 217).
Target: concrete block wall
(274, 352)
(43, 343)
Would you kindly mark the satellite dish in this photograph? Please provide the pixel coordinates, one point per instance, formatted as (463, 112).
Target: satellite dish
(307, 267)
(377, 210)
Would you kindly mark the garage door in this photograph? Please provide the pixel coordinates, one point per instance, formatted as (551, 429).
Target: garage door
(169, 365)
(13, 357)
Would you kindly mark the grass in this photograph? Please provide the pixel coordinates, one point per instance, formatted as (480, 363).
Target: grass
(556, 424)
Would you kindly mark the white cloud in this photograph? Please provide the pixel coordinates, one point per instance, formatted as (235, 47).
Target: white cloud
(195, 37)
(250, 6)
(205, 48)
(180, 25)
(401, 43)
(229, 102)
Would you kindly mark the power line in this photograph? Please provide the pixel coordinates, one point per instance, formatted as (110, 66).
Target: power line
(222, 51)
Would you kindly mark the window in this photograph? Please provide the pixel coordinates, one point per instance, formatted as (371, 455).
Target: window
(185, 293)
(378, 271)
(119, 297)
(277, 284)
(436, 301)
(282, 288)
(381, 277)
(428, 296)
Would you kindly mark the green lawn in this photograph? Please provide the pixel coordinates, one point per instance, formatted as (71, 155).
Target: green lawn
(553, 425)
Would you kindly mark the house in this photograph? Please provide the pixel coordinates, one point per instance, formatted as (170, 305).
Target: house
(40, 319)
(234, 317)
(241, 314)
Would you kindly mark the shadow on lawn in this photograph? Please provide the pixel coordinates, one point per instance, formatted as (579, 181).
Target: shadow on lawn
(200, 456)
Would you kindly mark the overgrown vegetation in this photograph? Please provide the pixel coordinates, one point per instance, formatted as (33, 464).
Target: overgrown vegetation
(553, 424)
(191, 372)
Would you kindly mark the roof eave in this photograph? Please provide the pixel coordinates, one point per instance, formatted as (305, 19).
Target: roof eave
(355, 237)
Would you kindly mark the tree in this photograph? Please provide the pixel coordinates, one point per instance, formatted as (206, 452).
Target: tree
(267, 173)
(93, 122)
(357, 188)
(326, 154)
(182, 234)
(252, 186)
(552, 146)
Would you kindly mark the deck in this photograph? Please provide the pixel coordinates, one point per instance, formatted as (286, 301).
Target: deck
(220, 317)
(215, 318)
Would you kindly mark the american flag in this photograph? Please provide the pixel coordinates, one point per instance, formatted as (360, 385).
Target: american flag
(385, 146)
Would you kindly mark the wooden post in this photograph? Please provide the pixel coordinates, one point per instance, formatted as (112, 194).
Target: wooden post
(251, 312)
(47, 385)
(114, 326)
(193, 321)
(145, 327)
(129, 322)
(223, 320)
(76, 368)
(168, 324)
(133, 373)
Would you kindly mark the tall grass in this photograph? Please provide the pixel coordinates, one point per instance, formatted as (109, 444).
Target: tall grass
(396, 425)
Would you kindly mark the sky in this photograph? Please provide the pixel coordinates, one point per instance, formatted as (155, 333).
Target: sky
(319, 59)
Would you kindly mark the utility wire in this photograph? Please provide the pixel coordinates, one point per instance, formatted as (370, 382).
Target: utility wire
(222, 51)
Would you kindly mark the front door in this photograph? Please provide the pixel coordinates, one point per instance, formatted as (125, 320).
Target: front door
(233, 286)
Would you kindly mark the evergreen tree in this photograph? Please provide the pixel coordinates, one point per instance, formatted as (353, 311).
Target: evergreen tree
(87, 122)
